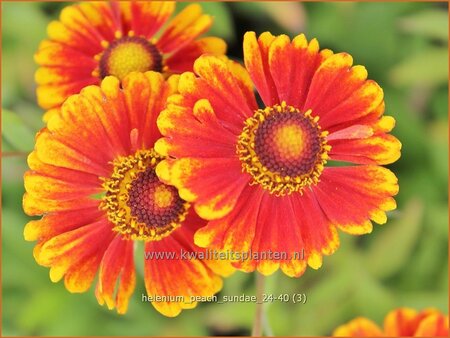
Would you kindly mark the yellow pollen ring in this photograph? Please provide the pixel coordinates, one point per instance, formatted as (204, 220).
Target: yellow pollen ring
(282, 149)
(115, 201)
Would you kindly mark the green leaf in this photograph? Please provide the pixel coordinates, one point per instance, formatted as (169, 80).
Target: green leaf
(223, 24)
(419, 182)
(43, 299)
(30, 113)
(139, 258)
(10, 83)
(330, 296)
(393, 245)
(232, 314)
(18, 18)
(424, 299)
(438, 150)
(443, 280)
(428, 68)
(410, 130)
(23, 28)
(370, 291)
(359, 29)
(424, 272)
(439, 104)
(14, 221)
(15, 132)
(432, 23)
(436, 221)
(222, 21)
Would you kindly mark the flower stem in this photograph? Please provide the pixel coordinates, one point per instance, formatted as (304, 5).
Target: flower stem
(266, 326)
(259, 315)
(14, 154)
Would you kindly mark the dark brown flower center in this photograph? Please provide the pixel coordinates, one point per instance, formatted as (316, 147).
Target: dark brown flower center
(282, 149)
(153, 202)
(137, 203)
(288, 144)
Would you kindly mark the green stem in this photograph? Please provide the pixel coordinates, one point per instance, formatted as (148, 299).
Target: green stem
(14, 154)
(266, 325)
(259, 315)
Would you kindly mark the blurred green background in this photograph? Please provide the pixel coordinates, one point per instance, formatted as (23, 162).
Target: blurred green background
(402, 263)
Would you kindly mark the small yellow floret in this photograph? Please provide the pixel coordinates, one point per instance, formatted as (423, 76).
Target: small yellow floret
(163, 197)
(128, 57)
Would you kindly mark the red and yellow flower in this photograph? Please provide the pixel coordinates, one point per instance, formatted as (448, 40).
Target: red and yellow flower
(403, 322)
(92, 177)
(261, 175)
(94, 39)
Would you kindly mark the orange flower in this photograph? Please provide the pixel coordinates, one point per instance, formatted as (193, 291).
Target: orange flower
(261, 175)
(403, 322)
(95, 39)
(92, 177)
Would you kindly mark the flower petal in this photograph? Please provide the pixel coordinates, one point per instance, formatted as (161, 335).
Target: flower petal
(76, 254)
(189, 133)
(402, 322)
(107, 112)
(182, 277)
(229, 113)
(69, 146)
(340, 93)
(213, 183)
(235, 231)
(112, 114)
(354, 132)
(358, 327)
(54, 54)
(185, 235)
(49, 182)
(319, 236)
(145, 96)
(184, 28)
(34, 205)
(50, 96)
(64, 75)
(261, 230)
(292, 66)
(434, 325)
(369, 187)
(276, 232)
(377, 149)
(160, 90)
(279, 56)
(305, 60)
(183, 59)
(147, 17)
(54, 224)
(42, 188)
(256, 61)
(75, 30)
(117, 267)
(103, 16)
(228, 81)
(83, 179)
(327, 78)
